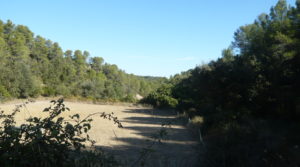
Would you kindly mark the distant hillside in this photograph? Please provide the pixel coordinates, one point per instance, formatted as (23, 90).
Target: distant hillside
(31, 66)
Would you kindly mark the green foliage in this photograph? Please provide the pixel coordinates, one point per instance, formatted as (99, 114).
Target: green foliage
(161, 98)
(129, 98)
(259, 79)
(244, 94)
(50, 141)
(4, 94)
(32, 65)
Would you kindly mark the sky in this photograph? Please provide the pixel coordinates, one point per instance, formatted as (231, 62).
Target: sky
(143, 37)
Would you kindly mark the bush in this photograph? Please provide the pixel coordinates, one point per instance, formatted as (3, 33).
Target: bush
(129, 98)
(50, 141)
(4, 94)
(161, 98)
(253, 143)
(63, 90)
(48, 91)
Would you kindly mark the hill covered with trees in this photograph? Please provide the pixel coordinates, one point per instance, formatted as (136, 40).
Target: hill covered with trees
(31, 66)
(250, 97)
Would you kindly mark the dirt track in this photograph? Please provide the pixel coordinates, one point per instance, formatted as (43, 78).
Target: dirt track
(140, 123)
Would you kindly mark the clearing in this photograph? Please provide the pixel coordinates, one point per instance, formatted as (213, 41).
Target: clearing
(179, 148)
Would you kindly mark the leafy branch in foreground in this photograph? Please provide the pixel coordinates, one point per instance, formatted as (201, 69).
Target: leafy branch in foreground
(50, 141)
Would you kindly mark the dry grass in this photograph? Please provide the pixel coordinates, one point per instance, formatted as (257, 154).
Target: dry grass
(140, 123)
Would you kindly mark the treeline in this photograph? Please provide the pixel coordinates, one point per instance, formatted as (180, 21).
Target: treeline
(31, 66)
(250, 97)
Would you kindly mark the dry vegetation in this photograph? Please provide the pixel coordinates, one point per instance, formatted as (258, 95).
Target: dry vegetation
(140, 125)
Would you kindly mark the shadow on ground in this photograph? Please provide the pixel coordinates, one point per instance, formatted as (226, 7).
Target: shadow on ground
(177, 149)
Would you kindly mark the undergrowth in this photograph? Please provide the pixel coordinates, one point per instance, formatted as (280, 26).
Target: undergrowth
(51, 141)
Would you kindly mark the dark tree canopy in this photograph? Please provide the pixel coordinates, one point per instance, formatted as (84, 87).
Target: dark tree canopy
(250, 97)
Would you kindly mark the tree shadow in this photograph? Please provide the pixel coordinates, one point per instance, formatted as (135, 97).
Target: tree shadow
(153, 120)
(178, 147)
(156, 112)
(173, 134)
(164, 154)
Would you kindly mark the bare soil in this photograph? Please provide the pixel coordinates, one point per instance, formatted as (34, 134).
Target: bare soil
(179, 149)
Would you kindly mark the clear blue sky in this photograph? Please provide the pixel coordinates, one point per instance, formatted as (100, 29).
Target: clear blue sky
(143, 37)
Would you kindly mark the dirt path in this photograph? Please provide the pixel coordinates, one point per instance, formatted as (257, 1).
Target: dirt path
(140, 124)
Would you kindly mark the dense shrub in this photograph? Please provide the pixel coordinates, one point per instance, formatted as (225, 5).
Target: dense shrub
(248, 95)
(129, 98)
(4, 94)
(161, 98)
